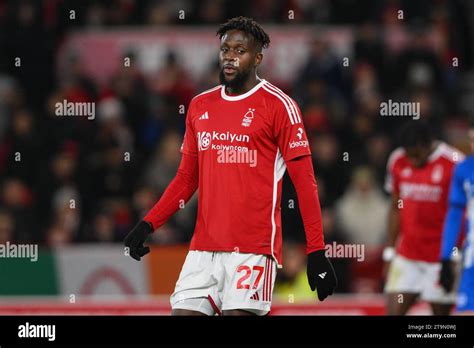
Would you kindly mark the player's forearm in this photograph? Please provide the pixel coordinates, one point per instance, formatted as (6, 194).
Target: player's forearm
(393, 223)
(452, 228)
(302, 175)
(179, 191)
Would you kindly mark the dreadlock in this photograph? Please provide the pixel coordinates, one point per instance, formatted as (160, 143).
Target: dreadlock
(247, 25)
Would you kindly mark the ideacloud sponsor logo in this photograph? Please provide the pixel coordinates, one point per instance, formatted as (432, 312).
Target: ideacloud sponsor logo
(300, 141)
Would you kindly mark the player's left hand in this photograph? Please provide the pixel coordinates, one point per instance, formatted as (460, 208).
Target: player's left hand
(321, 275)
(135, 239)
(447, 275)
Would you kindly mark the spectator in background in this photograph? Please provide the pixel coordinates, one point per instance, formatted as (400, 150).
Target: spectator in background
(321, 65)
(74, 81)
(66, 209)
(113, 128)
(369, 47)
(418, 64)
(128, 86)
(58, 236)
(114, 175)
(362, 210)
(102, 229)
(21, 148)
(160, 13)
(333, 107)
(11, 99)
(26, 37)
(377, 149)
(7, 226)
(18, 199)
(330, 167)
(173, 81)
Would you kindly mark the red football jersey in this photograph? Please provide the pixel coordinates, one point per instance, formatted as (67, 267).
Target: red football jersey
(424, 194)
(242, 143)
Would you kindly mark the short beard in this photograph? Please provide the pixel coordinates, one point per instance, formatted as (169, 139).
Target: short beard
(237, 83)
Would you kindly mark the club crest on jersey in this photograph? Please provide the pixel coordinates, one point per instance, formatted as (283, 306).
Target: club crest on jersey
(437, 174)
(248, 117)
(406, 172)
(300, 133)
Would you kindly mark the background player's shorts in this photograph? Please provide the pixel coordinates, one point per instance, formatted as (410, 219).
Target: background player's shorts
(210, 282)
(465, 301)
(413, 276)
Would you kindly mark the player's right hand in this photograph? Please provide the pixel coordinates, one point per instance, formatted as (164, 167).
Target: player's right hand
(446, 278)
(135, 239)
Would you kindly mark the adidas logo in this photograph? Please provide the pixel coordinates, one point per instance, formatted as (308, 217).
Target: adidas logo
(204, 116)
(255, 297)
(322, 275)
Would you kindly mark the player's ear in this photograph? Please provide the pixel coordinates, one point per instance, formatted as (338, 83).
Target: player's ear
(258, 59)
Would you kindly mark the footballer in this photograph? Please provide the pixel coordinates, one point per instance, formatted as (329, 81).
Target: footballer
(418, 178)
(236, 248)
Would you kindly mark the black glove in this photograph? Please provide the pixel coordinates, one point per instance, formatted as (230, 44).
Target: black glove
(135, 239)
(446, 277)
(321, 275)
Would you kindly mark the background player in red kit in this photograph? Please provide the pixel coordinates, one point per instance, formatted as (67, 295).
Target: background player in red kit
(418, 178)
(240, 138)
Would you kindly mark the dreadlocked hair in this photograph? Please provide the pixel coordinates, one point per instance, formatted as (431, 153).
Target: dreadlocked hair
(247, 25)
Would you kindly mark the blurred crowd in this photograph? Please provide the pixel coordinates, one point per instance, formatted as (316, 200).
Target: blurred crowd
(65, 180)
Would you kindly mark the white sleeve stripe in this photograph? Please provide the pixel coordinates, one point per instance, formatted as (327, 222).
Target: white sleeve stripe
(276, 90)
(282, 100)
(290, 101)
(296, 111)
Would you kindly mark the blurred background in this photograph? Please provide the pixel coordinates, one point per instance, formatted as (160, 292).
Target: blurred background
(80, 185)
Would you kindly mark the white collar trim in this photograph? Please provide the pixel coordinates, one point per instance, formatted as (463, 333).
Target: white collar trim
(437, 152)
(241, 96)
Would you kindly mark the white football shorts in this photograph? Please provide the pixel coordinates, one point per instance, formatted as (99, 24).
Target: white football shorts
(212, 282)
(420, 277)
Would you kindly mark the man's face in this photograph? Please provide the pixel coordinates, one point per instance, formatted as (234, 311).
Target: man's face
(418, 154)
(238, 58)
